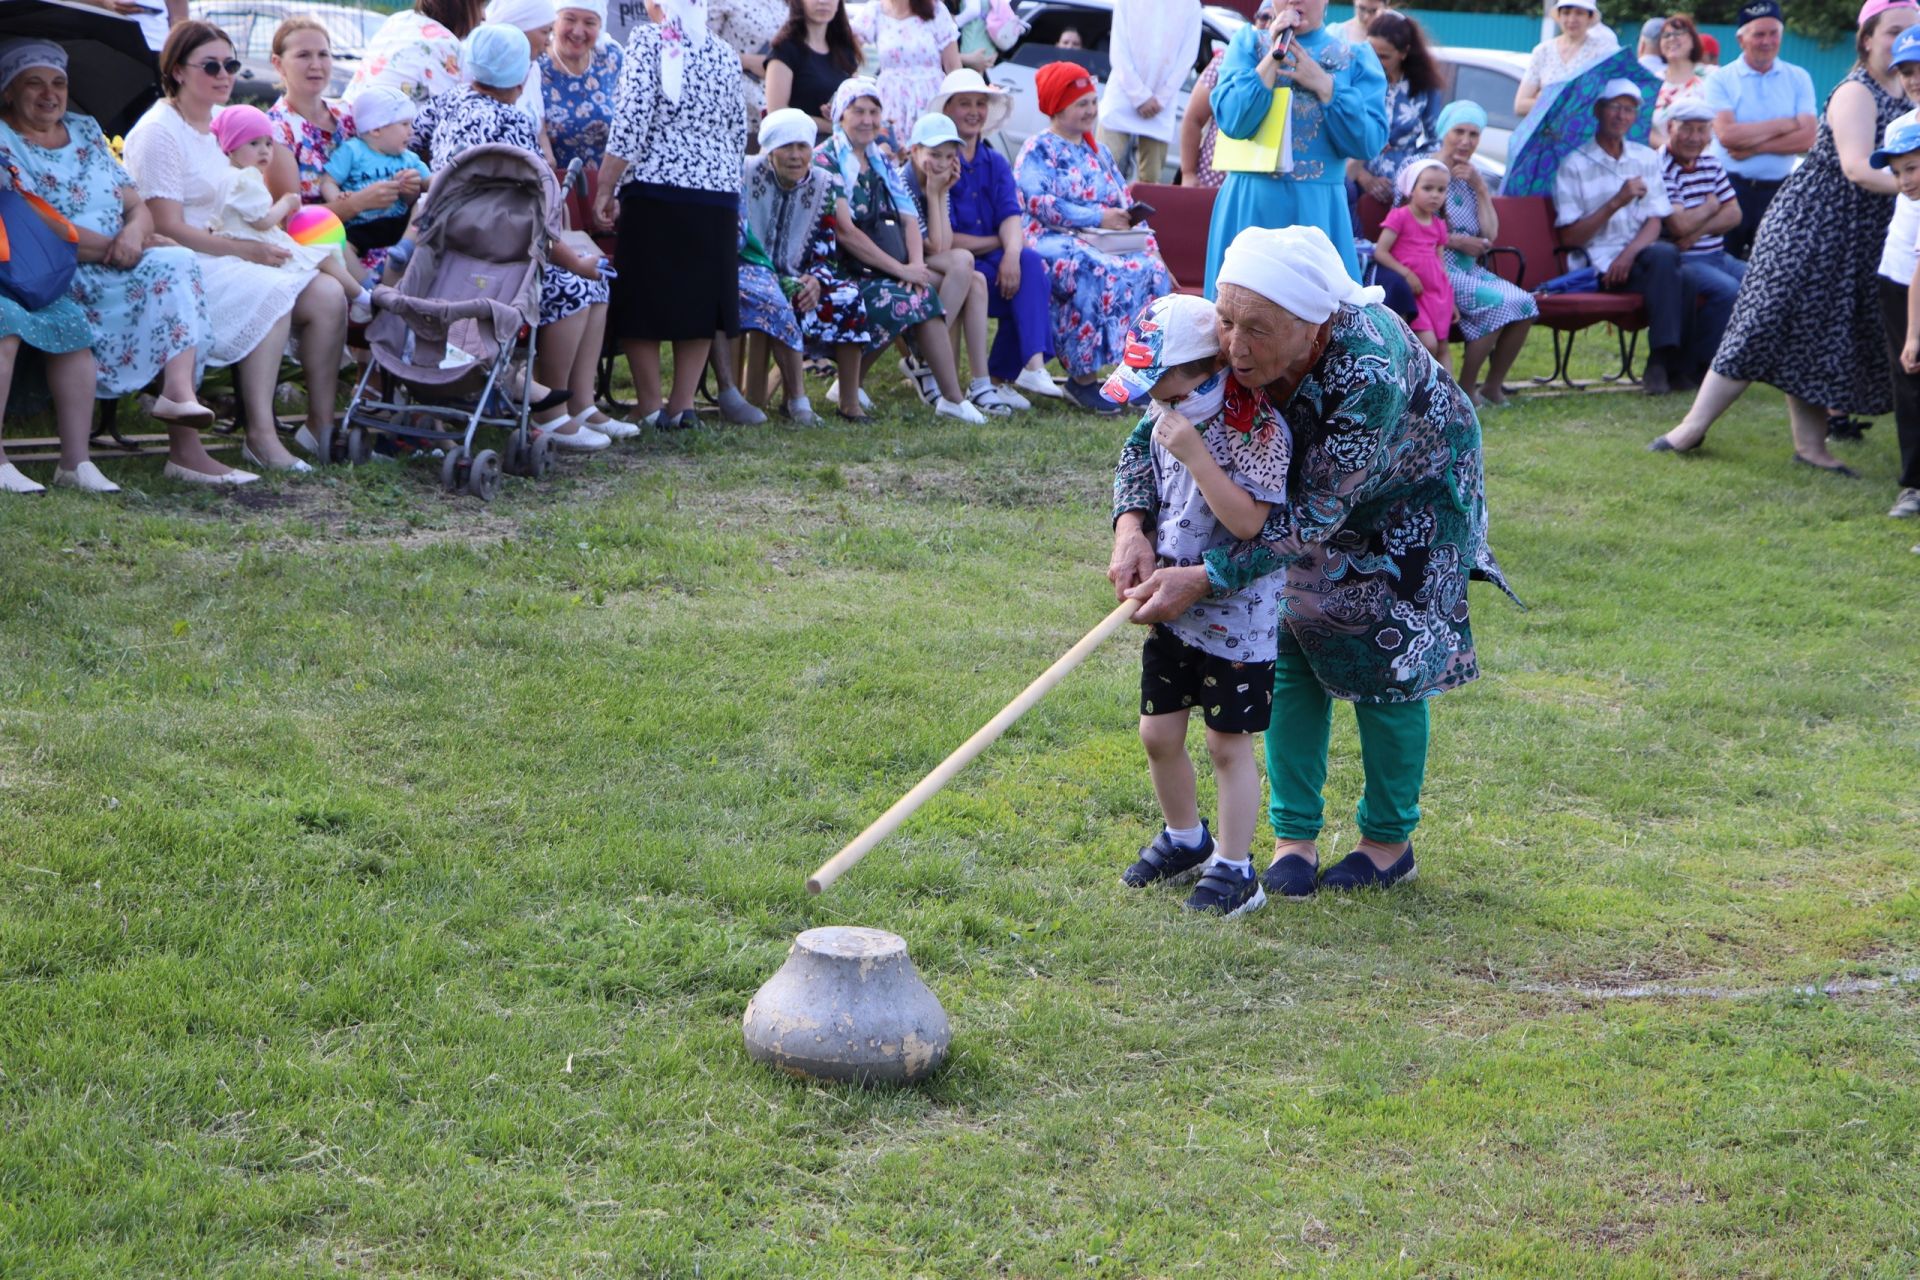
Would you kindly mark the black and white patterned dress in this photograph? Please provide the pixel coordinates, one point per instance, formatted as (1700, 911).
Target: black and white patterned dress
(467, 118)
(1807, 319)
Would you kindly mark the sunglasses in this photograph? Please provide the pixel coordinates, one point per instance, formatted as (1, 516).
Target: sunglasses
(213, 66)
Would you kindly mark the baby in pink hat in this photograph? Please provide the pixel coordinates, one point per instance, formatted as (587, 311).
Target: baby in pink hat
(249, 211)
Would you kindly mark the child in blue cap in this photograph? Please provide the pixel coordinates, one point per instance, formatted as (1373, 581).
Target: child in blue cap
(1899, 277)
(1220, 459)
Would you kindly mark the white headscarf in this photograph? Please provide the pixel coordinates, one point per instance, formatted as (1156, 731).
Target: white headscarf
(684, 32)
(528, 15)
(18, 55)
(785, 126)
(1295, 267)
(598, 8)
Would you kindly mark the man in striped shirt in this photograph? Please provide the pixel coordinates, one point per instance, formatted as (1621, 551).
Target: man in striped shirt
(1704, 209)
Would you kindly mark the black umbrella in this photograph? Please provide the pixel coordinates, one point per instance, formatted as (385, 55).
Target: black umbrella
(111, 74)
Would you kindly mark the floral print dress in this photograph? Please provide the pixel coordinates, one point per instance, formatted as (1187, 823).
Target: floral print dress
(1064, 186)
(798, 242)
(579, 109)
(311, 145)
(140, 318)
(412, 53)
(893, 306)
(907, 51)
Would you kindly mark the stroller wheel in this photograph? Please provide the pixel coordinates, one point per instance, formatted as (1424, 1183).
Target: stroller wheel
(359, 448)
(451, 468)
(517, 462)
(539, 457)
(483, 477)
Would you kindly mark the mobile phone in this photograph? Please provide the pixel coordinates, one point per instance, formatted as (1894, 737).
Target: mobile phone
(1139, 211)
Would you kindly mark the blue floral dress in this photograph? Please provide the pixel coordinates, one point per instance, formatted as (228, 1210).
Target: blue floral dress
(763, 303)
(140, 318)
(1063, 187)
(579, 108)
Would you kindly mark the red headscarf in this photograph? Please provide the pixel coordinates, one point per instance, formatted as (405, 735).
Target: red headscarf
(1059, 85)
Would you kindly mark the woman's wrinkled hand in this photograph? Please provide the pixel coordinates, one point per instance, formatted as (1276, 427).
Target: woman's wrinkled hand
(1168, 593)
(124, 250)
(807, 296)
(1114, 220)
(1132, 562)
(1009, 275)
(918, 273)
(603, 209)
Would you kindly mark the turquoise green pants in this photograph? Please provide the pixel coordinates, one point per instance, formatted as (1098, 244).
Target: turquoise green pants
(1393, 755)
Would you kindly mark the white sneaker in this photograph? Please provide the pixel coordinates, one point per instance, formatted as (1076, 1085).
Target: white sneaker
(185, 475)
(14, 480)
(962, 410)
(1009, 396)
(86, 478)
(833, 394)
(612, 428)
(579, 440)
(1907, 506)
(1040, 382)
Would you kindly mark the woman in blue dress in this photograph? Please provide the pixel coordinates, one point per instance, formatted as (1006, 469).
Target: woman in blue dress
(1069, 183)
(578, 74)
(1339, 113)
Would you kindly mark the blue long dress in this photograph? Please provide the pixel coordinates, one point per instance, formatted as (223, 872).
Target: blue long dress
(1353, 126)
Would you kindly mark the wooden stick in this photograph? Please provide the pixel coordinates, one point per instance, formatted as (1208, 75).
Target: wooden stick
(943, 773)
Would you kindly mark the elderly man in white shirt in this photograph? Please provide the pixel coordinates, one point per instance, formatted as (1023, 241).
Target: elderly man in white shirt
(1153, 45)
(1610, 199)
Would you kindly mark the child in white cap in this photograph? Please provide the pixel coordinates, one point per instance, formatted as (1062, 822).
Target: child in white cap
(383, 124)
(1220, 463)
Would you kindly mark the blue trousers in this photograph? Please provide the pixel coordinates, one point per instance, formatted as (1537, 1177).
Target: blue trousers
(1026, 326)
(1716, 278)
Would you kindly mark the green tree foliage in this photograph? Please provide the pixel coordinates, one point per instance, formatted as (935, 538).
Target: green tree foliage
(1823, 20)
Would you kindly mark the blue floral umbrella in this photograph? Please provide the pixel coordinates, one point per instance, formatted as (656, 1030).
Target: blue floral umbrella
(1562, 120)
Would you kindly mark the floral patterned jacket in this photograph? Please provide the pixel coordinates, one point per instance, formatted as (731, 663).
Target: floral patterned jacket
(1385, 519)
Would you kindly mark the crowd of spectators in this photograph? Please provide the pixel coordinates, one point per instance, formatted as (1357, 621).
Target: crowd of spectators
(819, 173)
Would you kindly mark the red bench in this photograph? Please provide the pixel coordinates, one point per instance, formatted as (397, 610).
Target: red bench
(1529, 254)
(1181, 218)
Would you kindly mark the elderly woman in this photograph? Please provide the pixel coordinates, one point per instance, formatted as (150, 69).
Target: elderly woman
(1413, 103)
(1495, 315)
(573, 297)
(1581, 43)
(58, 331)
(1069, 183)
(145, 304)
(252, 302)
(792, 289)
(984, 211)
(1807, 318)
(578, 74)
(1384, 522)
(896, 283)
(1339, 113)
(673, 161)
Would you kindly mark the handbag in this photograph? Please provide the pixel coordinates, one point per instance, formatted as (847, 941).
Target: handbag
(37, 248)
(1004, 27)
(883, 227)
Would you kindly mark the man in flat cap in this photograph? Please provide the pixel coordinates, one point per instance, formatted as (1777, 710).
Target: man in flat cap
(1763, 116)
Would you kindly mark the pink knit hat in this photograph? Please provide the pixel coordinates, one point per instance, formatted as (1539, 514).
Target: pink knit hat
(234, 127)
(1874, 8)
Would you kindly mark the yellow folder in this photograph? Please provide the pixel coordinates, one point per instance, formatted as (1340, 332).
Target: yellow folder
(1269, 150)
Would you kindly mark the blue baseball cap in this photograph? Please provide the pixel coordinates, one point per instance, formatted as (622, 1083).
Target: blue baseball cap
(1903, 138)
(1906, 46)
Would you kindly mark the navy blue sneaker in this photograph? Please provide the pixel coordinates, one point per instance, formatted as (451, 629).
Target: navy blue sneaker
(1087, 396)
(1292, 877)
(1227, 890)
(1165, 860)
(1356, 871)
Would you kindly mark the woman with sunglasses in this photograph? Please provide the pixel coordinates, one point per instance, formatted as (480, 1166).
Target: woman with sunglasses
(252, 303)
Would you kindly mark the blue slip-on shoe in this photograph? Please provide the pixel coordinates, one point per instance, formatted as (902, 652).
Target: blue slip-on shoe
(1292, 877)
(1356, 871)
(1087, 395)
(1227, 890)
(1165, 860)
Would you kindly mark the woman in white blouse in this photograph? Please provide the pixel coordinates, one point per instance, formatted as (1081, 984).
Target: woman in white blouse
(1582, 42)
(252, 302)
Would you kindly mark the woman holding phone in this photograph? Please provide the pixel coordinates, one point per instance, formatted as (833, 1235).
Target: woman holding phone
(1339, 114)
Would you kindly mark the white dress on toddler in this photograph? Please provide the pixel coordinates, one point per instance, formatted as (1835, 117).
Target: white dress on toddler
(244, 200)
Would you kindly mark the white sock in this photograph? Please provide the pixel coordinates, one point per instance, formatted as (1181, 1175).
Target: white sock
(1188, 837)
(1242, 863)
(799, 404)
(978, 385)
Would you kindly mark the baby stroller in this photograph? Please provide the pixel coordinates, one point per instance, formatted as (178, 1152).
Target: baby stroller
(447, 342)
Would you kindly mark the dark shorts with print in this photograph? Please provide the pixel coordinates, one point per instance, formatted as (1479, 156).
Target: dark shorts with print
(1233, 697)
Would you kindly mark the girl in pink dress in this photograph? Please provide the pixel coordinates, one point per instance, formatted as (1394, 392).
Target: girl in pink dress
(1411, 238)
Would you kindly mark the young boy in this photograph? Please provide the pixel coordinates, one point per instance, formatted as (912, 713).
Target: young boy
(1217, 478)
(383, 122)
(1900, 297)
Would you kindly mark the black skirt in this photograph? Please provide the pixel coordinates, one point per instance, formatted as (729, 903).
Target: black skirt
(679, 268)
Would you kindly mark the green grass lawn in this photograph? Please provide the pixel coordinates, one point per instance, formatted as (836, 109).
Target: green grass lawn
(383, 877)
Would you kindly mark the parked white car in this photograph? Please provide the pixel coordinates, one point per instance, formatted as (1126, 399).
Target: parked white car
(1489, 77)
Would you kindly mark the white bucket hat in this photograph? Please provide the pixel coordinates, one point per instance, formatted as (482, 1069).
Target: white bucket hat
(967, 80)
